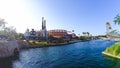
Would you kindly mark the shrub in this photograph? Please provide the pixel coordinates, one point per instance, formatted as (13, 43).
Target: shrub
(114, 49)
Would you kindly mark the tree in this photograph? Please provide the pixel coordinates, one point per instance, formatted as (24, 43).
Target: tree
(10, 32)
(20, 35)
(7, 31)
(83, 33)
(87, 33)
(117, 19)
(72, 30)
(2, 23)
(79, 34)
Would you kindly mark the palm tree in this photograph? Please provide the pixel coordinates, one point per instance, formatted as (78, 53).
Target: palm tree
(87, 33)
(79, 35)
(84, 33)
(73, 31)
(117, 19)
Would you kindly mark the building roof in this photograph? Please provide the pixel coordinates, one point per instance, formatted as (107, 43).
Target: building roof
(57, 30)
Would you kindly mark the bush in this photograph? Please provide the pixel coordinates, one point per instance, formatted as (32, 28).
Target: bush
(114, 49)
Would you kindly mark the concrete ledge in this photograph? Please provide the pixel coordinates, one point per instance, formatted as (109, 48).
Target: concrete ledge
(108, 54)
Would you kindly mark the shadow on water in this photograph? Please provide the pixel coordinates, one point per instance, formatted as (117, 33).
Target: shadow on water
(113, 62)
(7, 62)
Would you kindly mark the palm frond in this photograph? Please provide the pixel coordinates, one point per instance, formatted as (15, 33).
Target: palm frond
(117, 19)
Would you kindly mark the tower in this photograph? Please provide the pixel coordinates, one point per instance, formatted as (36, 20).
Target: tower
(108, 28)
(42, 23)
(44, 31)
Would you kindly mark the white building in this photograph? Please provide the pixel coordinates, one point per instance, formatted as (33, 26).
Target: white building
(43, 33)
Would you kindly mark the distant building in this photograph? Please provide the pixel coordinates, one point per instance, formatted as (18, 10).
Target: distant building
(33, 34)
(61, 33)
(30, 34)
(43, 32)
(112, 34)
(71, 35)
(58, 33)
(27, 34)
(108, 28)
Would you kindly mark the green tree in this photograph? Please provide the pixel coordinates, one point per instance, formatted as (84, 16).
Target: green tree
(7, 31)
(84, 33)
(2, 23)
(10, 32)
(72, 30)
(87, 33)
(79, 34)
(117, 19)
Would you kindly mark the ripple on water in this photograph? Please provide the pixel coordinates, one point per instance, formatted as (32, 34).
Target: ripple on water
(78, 55)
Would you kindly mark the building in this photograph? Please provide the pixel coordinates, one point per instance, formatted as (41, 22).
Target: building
(72, 35)
(58, 33)
(43, 32)
(30, 34)
(33, 34)
(27, 34)
(108, 28)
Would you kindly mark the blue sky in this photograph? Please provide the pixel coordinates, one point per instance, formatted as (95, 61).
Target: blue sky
(78, 15)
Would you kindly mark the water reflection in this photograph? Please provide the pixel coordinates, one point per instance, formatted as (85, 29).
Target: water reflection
(112, 62)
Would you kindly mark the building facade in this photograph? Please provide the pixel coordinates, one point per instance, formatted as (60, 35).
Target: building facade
(30, 34)
(58, 33)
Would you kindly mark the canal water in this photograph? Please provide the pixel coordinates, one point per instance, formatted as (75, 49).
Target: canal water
(78, 55)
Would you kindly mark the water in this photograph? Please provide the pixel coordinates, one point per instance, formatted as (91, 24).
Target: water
(77, 55)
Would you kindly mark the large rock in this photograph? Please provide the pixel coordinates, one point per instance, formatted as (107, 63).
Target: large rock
(10, 48)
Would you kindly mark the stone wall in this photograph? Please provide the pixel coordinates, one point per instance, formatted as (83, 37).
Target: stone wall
(7, 48)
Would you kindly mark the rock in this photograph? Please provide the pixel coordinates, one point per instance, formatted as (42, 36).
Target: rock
(11, 48)
(22, 44)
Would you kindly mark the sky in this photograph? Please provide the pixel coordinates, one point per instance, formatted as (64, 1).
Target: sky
(78, 15)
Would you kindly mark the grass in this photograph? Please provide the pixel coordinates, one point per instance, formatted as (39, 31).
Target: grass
(37, 43)
(42, 44)
(114, 49)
